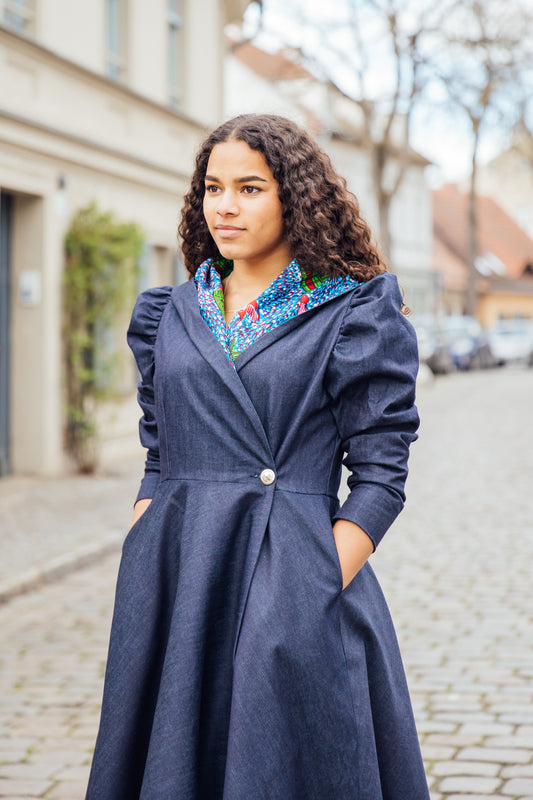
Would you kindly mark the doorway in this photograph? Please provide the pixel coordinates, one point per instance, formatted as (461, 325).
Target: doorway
(6, 213)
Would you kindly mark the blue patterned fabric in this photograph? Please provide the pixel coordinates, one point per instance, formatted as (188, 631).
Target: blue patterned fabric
(291, 293)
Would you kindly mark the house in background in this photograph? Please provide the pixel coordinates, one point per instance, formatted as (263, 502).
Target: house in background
(260, 82)
(508, 179)
(504, 264)
(104, 100)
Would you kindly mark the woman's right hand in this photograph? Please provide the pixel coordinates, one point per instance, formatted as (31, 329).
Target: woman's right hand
(139, 508)
(354, 548)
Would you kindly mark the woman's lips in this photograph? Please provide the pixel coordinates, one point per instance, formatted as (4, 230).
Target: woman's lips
(228, 230)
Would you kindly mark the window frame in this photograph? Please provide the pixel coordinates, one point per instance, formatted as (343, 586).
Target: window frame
(175, 23)
(22, 10)
(116, 40)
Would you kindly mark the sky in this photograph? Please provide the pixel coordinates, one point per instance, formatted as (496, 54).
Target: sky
(439, 133)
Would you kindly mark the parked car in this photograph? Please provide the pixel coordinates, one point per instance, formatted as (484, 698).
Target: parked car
(467, 342)
(432, 346)
(511, 340)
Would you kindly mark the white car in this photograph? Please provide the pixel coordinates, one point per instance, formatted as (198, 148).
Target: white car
(512, 340)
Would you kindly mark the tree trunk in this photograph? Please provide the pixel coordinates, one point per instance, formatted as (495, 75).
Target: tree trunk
(384, 227)
(471, 282)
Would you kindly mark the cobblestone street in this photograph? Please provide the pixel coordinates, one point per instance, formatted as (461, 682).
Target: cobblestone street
(456, 569)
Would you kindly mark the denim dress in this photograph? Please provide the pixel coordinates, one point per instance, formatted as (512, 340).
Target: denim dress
(238, 667)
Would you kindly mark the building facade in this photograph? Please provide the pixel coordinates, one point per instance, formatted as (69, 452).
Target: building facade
(103, 101)
(504, 264)
(508, 179)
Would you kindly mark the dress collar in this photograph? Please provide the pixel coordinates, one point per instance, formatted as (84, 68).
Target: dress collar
(212, 272)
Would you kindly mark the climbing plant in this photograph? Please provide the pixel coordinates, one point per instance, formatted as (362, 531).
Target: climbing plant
(100, 282)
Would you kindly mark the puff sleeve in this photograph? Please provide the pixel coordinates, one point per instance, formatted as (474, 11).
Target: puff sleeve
(370, 379)
(142, 334)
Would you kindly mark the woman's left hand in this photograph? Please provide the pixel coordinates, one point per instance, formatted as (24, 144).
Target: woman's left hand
(354, 547)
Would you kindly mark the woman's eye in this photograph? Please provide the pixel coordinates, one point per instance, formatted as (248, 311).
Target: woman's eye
(250, 189)
(211, 189)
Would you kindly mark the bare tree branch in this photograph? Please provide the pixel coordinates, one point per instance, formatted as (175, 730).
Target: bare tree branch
(480, 75)
(476, 50)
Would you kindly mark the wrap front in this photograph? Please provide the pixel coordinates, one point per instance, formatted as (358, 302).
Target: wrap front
(238, 668)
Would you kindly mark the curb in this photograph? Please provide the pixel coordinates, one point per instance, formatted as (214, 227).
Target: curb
(56, 568)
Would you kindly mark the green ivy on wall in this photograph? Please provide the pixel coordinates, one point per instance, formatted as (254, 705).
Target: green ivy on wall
(100, 283)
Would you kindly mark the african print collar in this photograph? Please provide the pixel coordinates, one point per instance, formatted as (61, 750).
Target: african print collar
(293, 291)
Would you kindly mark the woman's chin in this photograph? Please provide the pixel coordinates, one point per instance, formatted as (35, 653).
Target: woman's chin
(228, 251)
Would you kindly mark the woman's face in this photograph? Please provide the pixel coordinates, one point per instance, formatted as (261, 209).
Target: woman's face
(242, 208)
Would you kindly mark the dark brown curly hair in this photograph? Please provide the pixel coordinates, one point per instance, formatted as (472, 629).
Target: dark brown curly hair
(323, 227)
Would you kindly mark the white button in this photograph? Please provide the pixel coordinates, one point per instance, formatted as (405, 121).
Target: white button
(268, 476)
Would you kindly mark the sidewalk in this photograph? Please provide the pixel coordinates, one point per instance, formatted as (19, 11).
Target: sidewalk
(50, 526)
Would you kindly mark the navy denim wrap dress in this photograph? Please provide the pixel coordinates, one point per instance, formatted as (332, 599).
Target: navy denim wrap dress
(238, 668)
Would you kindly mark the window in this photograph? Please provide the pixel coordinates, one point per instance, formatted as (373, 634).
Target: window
(116, 39)
(175, 52)
(17, 15)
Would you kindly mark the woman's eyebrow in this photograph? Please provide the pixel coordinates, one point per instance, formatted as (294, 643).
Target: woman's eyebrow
(245, 179)
(250, 178)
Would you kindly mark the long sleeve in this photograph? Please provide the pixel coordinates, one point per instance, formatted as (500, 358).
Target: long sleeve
(371, 380)
(142, 334)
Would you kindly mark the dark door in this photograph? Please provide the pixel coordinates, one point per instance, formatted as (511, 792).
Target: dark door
(6, 211)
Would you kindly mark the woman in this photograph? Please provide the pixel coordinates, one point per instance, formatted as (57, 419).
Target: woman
(252, 655)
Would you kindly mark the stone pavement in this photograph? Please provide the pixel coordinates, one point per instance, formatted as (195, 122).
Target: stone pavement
(455, 568)
(53, 644)
(48, 526)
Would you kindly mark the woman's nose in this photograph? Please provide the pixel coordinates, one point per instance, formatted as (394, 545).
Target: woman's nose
(227, 204)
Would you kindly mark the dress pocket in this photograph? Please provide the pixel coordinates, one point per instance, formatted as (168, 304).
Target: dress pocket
(138, 525)
(339, 568)
(337, 561)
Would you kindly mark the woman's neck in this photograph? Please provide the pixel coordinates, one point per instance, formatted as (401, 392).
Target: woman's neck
(246, 283)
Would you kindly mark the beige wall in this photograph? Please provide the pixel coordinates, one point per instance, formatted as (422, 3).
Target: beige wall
(147, 49)
(492, 307)
(69, 136)
(76, 31)
(29, 399)
(54, 94)
(204, 54)
(41, 215)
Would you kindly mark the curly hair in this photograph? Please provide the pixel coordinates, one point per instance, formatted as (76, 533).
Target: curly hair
(322, 223)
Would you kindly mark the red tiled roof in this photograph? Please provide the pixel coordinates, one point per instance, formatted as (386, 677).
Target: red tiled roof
(271, 66)
(449, 266)
(497, 232)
